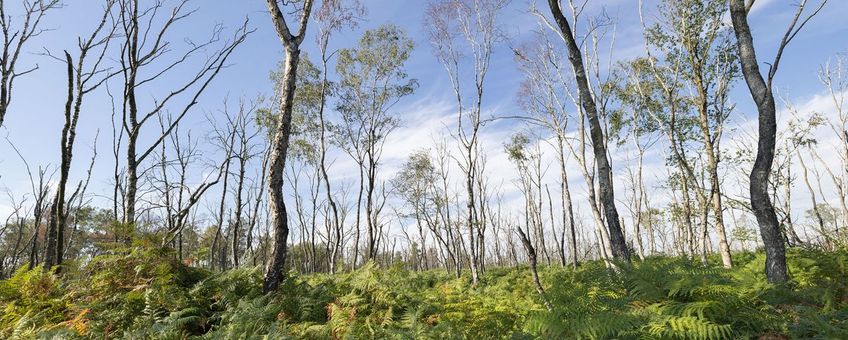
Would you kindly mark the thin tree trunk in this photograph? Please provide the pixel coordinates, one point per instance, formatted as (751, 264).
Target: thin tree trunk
(531, 254)
(275, 272)
(759, 179)
(605, 183)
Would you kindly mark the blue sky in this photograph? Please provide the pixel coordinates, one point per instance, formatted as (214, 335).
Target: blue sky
(34, 119)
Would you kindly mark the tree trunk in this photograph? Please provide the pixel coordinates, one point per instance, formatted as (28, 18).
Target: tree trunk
(56, 229)
(605, 183)
(531, 255)
(759, 179)
(275, 272)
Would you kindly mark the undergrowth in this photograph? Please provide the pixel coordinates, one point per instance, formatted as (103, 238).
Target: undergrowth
(144, 293)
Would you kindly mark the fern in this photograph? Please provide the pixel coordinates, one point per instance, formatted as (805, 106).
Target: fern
(141, 293)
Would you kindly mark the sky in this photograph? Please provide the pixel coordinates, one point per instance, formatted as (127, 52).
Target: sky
(35, 117)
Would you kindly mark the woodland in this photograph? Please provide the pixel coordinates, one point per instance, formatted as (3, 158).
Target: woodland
(635, 205)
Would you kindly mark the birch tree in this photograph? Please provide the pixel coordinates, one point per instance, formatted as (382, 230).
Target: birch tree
(459, 30)
(596, 132)
(372, 81)
(274, 273)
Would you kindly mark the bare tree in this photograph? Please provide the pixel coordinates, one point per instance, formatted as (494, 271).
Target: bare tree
(17, 220)
(245, 152)
(83, 78)
(14, 40)
(604, 169)
(40, 190)
(531, 255)
(834, 77)
(455, 26)
(543, 94)
(225, 139)
(179, 198)
(761, 91)
(144, 60)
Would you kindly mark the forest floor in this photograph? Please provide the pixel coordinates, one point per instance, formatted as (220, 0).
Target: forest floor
(141, 293)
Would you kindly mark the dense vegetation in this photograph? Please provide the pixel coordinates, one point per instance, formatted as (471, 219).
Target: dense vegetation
(144, 292)
(359, 197)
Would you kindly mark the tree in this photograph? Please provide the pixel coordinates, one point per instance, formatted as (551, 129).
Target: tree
(372, 79)
(243, 154)
(694, 46)
(527, 162)
(274, 274)
(144, 62)
(414, 184)
(84, 76)
(224, 139)
(587, 102)
(761, 91)
(40, 191)
(638, 126)
(835, 79)
(333, 16)
(178, 197)
(14, 40)
(455, 26)
(542, 95)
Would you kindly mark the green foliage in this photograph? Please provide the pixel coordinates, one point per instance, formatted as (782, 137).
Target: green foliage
(144, 293)
(29, 299)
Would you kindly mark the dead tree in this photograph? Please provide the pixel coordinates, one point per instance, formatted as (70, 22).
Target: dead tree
(243, 155)
(77, 200)
(225, 139)
(531, 255)
(84, 76)
(179, 197)
(144, 61)
(14, 41)
(40, 190)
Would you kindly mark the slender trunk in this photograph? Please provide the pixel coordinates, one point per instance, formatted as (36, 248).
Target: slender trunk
(531, 254)
(335, 223)
(358, 217)
(560, 240)
(222, 204)
(637, 202)
(472, 217)
(373, 246)
(687, 215)
(605, 183)
(650, 220)
(712, 168)
(775, 269)
(56, 229)
(815, 207)
(275, 273)
(238, 204)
